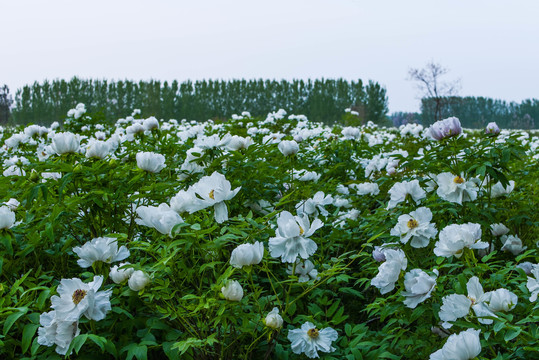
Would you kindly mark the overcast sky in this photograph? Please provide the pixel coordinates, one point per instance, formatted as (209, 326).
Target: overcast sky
(491, 45)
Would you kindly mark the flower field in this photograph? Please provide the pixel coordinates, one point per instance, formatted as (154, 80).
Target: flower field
(273, 238)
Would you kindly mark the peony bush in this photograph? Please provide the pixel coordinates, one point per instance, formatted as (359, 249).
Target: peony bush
(273, 238)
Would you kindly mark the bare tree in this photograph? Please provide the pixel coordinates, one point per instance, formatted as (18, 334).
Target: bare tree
(431, 86)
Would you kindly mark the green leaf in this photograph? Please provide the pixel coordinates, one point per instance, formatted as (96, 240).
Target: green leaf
(11, 320)
(27, 334)
(511, 334)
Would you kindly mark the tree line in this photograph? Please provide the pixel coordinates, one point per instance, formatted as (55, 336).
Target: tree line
(476, 112)
(322, 100)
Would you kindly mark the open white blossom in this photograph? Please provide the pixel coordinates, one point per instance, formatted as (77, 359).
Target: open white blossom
(416, 227)
(498, 229)
(315, 205)
(389, 271)
(77, 298)
(309, 340)
(513, 244)
(100, 249)
(288, 148)
(454, 238)
(463, 346)
(454, 188)
(63, 143)
(533, 283)
(162, 218)
(292, 237)
(54, 331)
(304, 270)
(7, 217)
(150, 161)
(400, 190)
(498, 189)
(419, 286)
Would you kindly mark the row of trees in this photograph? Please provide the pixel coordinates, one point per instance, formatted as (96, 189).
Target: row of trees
(321, 100)
(476, 112)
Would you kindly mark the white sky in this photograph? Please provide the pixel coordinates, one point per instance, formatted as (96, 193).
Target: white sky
(491, 45)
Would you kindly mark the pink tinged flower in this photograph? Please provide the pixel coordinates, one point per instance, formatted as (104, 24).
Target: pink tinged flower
(292, 237)
(454, 238)
(416, 227)
(309, 340)
(419, 286)
(232, 291)
(400, 190)
(138, 280)
(247, 254)
(533, 283)
(445, 128)
(7, 217)
(162, 218)
(54, 331)
(512, 244)
(78, 298)
(455, 189)
(150, 161)
(100, 249)
(213, 191)
(63, 143)
(288, 148)
(492, 129)
(389, 271)
(463, 346)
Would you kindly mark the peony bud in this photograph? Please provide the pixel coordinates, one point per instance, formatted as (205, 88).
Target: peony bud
(288, 147)
(273, 319)
(232, 291)
(247, 254)
(492, 129)
(120, 275)
(7, 217)
(138, 280)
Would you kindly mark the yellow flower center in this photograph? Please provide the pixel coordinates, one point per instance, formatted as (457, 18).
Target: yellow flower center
(301, 231)
(78, 295)
(458, 180)
(412, 223)
(212, 196)
(313, 333)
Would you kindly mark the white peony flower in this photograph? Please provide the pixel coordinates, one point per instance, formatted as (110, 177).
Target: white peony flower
(501, 300)
(454, 238)
(150, 123)
(150, 162)
(304, 270)
(78, 298)
(513, 244)
(7, 217)
(213, 191)
(120, 275)
(292, 237)
(57, 332)
(350, 133)
(100, 249)
(288, 148)
(455, 188)
(498, 189)
(63, 143)
(389, 271)
(498, 229)
(235, 142)
(273, 319)
(232, 291)
(315, 205)
(98, 149)
(138, 280)
(492, 128)
(366, 188)
(453, 307)
(415, 226)
(247, 254)
(400, 190)
(445, 128)
(162, 218)
(533, 284)
(12, 204)
(309, 340)
(419, 286)
(463, 346)
(185, 201)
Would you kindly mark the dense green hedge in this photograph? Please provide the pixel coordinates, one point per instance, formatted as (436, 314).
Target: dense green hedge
(321, 100)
